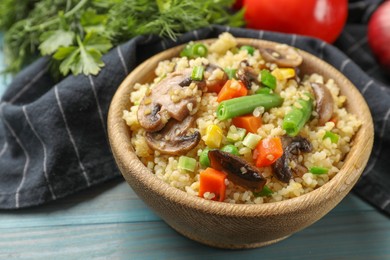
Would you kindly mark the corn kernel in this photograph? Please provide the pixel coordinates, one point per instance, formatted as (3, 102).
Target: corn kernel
(213, 137)
(283, 73)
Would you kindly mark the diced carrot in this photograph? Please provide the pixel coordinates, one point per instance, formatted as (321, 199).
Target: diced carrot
(249, 122)
(268, 151)
(212, 181)
(232, 89)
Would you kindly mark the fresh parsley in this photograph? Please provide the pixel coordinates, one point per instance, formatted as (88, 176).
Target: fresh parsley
(77, 33)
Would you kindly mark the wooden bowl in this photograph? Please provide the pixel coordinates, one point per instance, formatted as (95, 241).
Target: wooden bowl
(227, 225)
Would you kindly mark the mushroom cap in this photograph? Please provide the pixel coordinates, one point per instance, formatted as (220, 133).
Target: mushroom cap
(247, 75)
(292, 146)
(175, 138)
(324, 102)
(282, 55)
(239, 170)
(165, 100)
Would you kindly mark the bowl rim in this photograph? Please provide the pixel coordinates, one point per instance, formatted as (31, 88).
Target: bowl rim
(136, 171)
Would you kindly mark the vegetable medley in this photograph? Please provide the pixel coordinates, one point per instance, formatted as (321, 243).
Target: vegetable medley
(239, 124)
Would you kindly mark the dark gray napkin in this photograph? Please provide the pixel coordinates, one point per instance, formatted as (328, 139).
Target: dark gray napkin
(53, 137)
(374, 84)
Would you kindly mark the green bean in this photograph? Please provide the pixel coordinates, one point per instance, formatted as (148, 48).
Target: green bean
(194, 50)
(318, 170)
(199, 50)
(244, 105)
(294, 120)
(264, 91)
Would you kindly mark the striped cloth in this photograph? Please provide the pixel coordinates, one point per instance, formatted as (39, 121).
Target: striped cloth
(53, 136)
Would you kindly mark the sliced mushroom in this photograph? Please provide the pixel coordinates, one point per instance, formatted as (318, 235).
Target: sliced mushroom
(157, 107)
(174, 138)
(239, 171)
(186, 82)
(282, 55)
(247, 75)
(292, 147)
(324, 102)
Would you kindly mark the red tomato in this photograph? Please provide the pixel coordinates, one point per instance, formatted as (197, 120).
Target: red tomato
(323, 19)
(379, 34)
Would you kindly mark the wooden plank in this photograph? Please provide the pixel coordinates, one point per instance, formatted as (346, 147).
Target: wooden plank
(347, 236)
(112, 202)
(110, 221)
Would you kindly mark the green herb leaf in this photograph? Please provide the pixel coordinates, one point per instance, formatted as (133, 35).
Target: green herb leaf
(51, 27)
(90, 17)
(63, 52)
(90, 62)
(93, 22)
(84, 58)
(52, 40)
(69, 55)
(97, 42)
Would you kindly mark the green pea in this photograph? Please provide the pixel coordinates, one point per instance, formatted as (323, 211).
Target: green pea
(204, 157)
(229, 148)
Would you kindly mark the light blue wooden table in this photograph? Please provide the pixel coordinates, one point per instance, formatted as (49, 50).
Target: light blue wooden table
(110, 222)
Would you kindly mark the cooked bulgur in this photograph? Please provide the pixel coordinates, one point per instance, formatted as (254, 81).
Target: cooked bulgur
(226, 53)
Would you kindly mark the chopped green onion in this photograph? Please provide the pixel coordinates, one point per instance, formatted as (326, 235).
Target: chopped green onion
(231, 73)
(294, 120)
(187, 163)
(230, 148)
(197, 73)
(235, 134)
(264, 91)
(194, 50)
(334, 138)
(267, 79)
(248, 48)
(245, 105)
(266, 191)
(251, 140)
(204, 158)
(318, 170)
